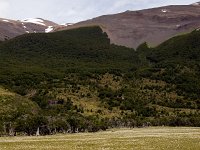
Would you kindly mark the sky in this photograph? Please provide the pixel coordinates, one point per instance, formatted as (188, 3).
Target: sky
(72, 11)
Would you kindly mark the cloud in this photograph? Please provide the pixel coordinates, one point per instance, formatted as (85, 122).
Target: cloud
(4, 6)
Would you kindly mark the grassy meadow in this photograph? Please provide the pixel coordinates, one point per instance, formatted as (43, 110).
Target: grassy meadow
(158, 138)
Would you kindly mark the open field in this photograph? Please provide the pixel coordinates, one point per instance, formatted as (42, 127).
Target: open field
(158, 138)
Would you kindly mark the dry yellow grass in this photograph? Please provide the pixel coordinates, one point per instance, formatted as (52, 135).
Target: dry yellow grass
(109, 80)
(5, 92)
(159, 138)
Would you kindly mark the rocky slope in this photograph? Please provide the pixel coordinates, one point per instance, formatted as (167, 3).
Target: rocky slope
(131, 28)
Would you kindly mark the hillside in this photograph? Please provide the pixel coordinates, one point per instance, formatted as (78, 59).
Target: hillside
(80, 82)
(154, 26)
(84, 48)
(12, 28)
(15, 107)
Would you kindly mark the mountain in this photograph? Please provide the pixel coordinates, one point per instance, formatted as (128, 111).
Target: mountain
(154, 26)
(12, 28)
(76, 80)
(130, 28)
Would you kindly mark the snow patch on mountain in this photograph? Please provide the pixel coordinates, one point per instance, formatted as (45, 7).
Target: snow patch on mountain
(63, 24)
(5, 20)
(34, 20)
(164, 10)
(66, 24)
(49, 29)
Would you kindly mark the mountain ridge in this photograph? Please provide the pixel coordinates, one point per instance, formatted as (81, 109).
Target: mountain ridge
(129, 28)
(12, 28)
(154, 25)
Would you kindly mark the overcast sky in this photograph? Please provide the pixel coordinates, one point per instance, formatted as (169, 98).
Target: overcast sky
(71, 11)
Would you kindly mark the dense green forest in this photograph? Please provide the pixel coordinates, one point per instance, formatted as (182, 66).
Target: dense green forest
(76, 81)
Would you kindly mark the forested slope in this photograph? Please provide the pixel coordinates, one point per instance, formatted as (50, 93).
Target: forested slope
(78, 81)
